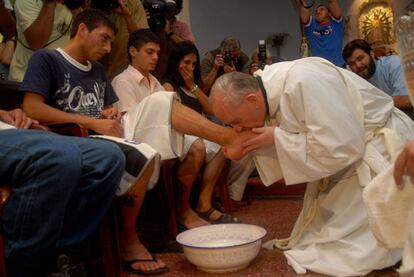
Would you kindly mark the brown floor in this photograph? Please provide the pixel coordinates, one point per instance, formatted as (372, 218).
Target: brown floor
(277, 217)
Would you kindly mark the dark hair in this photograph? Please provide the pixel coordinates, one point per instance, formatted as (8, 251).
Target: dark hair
(138, 38)
(92, 19)
(179, 51)
(353, 45)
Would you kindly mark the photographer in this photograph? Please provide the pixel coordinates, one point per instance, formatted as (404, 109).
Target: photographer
(162, 22)
(127, 16)
(227, 58)
(39, 24)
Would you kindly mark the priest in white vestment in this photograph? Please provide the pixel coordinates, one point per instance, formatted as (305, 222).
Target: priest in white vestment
(334, 130)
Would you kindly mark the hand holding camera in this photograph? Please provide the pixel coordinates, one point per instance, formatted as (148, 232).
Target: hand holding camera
(218, 61)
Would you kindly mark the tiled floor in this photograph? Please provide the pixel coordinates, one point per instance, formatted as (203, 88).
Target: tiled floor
(277, 217)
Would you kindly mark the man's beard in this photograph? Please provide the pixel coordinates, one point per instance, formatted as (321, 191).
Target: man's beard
(370, 69)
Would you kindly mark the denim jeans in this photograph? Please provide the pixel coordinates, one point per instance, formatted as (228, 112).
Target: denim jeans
(61, 189)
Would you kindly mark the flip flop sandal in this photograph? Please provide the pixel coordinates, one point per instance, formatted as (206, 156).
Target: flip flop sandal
(127, 267)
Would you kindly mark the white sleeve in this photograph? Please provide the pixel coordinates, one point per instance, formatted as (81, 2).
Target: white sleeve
(125, 91)
(319, 133)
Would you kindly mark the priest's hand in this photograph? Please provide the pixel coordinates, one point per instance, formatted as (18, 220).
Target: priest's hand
(264, 138)
(235, 151)
(404, 163)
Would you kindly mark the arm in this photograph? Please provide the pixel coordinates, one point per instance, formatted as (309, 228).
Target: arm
(34, 105)
(397, 84)
(134, 14)
(326, 136)
(303, 12)
(127, 15)
(402, 102)
(7, 23)
(335, 9)
(38, 33)
(210, 69)
(188, 77)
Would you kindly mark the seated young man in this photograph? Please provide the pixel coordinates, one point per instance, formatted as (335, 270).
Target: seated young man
(68, 85)
(61, 189)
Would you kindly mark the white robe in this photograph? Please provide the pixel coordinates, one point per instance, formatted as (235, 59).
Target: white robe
(327, 118)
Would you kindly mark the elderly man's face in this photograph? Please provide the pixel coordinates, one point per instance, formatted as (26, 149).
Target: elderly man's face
(361, 63)
(246, 115)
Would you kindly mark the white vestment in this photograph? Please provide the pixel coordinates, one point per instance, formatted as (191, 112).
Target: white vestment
(333, 133)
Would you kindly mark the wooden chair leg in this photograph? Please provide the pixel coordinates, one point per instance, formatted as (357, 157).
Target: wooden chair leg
(168, 182)
(222, 184)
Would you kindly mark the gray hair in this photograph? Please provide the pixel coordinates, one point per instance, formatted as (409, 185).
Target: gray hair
(234, 85)
(230, 43)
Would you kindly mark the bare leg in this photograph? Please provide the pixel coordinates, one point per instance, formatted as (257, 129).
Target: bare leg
(131, 247)
(210, 175)
(186, 175)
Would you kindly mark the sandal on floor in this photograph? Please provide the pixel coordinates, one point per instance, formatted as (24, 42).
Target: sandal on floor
(224, 218)
(127, 267)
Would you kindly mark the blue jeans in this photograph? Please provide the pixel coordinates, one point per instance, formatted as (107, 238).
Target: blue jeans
(61, 189)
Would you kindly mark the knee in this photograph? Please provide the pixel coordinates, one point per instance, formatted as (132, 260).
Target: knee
(110, 155)
(197, 151)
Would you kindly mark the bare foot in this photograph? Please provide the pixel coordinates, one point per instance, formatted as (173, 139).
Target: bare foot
(191, 220)
(234, 151)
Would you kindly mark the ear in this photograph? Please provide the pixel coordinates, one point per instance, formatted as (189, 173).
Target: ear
(132, 51)
(372, 54)
(251, 97)
(82, 29)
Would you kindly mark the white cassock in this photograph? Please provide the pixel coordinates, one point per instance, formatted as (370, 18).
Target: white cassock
(336, 132)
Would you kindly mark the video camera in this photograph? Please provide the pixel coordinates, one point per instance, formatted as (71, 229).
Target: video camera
(261, 55)
(158, 10)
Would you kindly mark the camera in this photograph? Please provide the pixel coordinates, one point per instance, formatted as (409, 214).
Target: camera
(74, 4)
(228, 57)
(104, 5)
(261, 55)
(158, 10)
